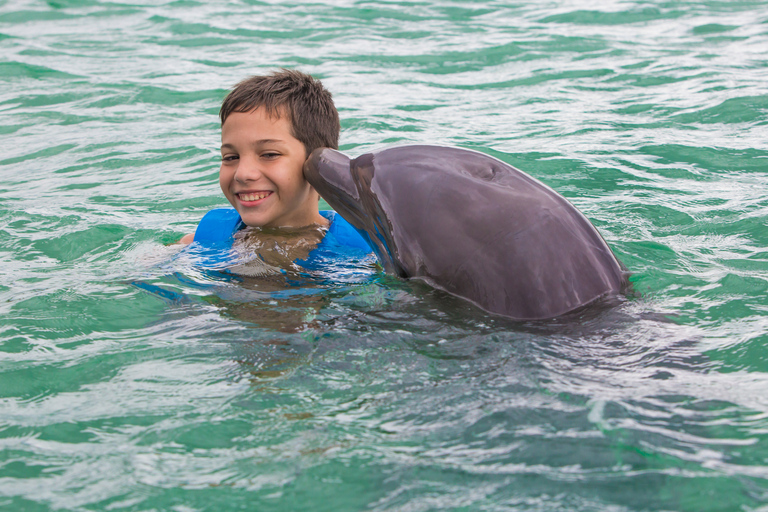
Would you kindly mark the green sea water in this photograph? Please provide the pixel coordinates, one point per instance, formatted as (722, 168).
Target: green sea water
(374, 393)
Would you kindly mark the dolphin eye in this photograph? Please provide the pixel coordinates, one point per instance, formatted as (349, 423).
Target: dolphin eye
(487, 173)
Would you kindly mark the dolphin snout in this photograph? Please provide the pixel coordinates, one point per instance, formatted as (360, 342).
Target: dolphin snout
(327, 170)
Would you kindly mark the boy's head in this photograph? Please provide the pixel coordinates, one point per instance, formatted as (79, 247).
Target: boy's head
(306, 104)
(269, 125)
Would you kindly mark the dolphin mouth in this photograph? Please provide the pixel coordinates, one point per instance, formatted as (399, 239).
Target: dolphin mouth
(328, 171)
(343, 184)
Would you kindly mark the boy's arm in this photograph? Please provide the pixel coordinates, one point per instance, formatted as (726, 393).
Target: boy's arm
(186, 239)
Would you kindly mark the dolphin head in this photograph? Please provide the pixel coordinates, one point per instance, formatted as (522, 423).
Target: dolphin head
(471, 225)
(346, 186)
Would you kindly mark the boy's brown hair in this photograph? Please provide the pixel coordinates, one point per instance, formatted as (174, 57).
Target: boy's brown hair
(309, 106)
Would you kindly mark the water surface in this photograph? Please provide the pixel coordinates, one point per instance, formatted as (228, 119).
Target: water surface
(371, 393)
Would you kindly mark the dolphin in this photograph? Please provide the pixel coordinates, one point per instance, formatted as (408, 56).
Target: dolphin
(471, 225)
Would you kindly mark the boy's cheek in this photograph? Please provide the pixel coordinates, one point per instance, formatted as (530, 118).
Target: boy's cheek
(223, 180)
(224, 185)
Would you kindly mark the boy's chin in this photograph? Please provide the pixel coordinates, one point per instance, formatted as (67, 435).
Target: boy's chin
(260, 220)
(253, 220)
(263, 222)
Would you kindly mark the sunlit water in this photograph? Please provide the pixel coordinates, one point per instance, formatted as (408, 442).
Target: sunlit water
(367, 392)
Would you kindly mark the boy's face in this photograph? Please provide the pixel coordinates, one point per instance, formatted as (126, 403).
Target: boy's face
(262, 171)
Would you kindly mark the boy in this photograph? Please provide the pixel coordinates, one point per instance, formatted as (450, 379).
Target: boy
(269, 126)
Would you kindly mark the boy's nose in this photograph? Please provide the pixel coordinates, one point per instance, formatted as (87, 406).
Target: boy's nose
(248, 169)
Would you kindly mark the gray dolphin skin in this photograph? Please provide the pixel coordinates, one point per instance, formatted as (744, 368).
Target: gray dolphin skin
(472, 225)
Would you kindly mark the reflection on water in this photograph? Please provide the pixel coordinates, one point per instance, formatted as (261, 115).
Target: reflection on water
(268, 250)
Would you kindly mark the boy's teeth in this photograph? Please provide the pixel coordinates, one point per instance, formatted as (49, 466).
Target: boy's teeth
(253, 197)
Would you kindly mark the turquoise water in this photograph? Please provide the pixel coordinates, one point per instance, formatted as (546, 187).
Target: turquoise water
(372, 393)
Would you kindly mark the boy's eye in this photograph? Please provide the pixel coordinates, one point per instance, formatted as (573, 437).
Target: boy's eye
(270, 155)
(229, 158)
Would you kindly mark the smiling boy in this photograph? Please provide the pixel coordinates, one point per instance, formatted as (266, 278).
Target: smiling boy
(269, 126)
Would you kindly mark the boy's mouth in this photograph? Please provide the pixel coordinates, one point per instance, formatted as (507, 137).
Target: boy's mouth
(252, 196)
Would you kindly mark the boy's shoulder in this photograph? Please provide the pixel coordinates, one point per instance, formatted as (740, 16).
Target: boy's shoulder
(220, 224)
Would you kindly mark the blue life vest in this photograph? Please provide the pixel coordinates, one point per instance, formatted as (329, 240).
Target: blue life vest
(215, 234)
